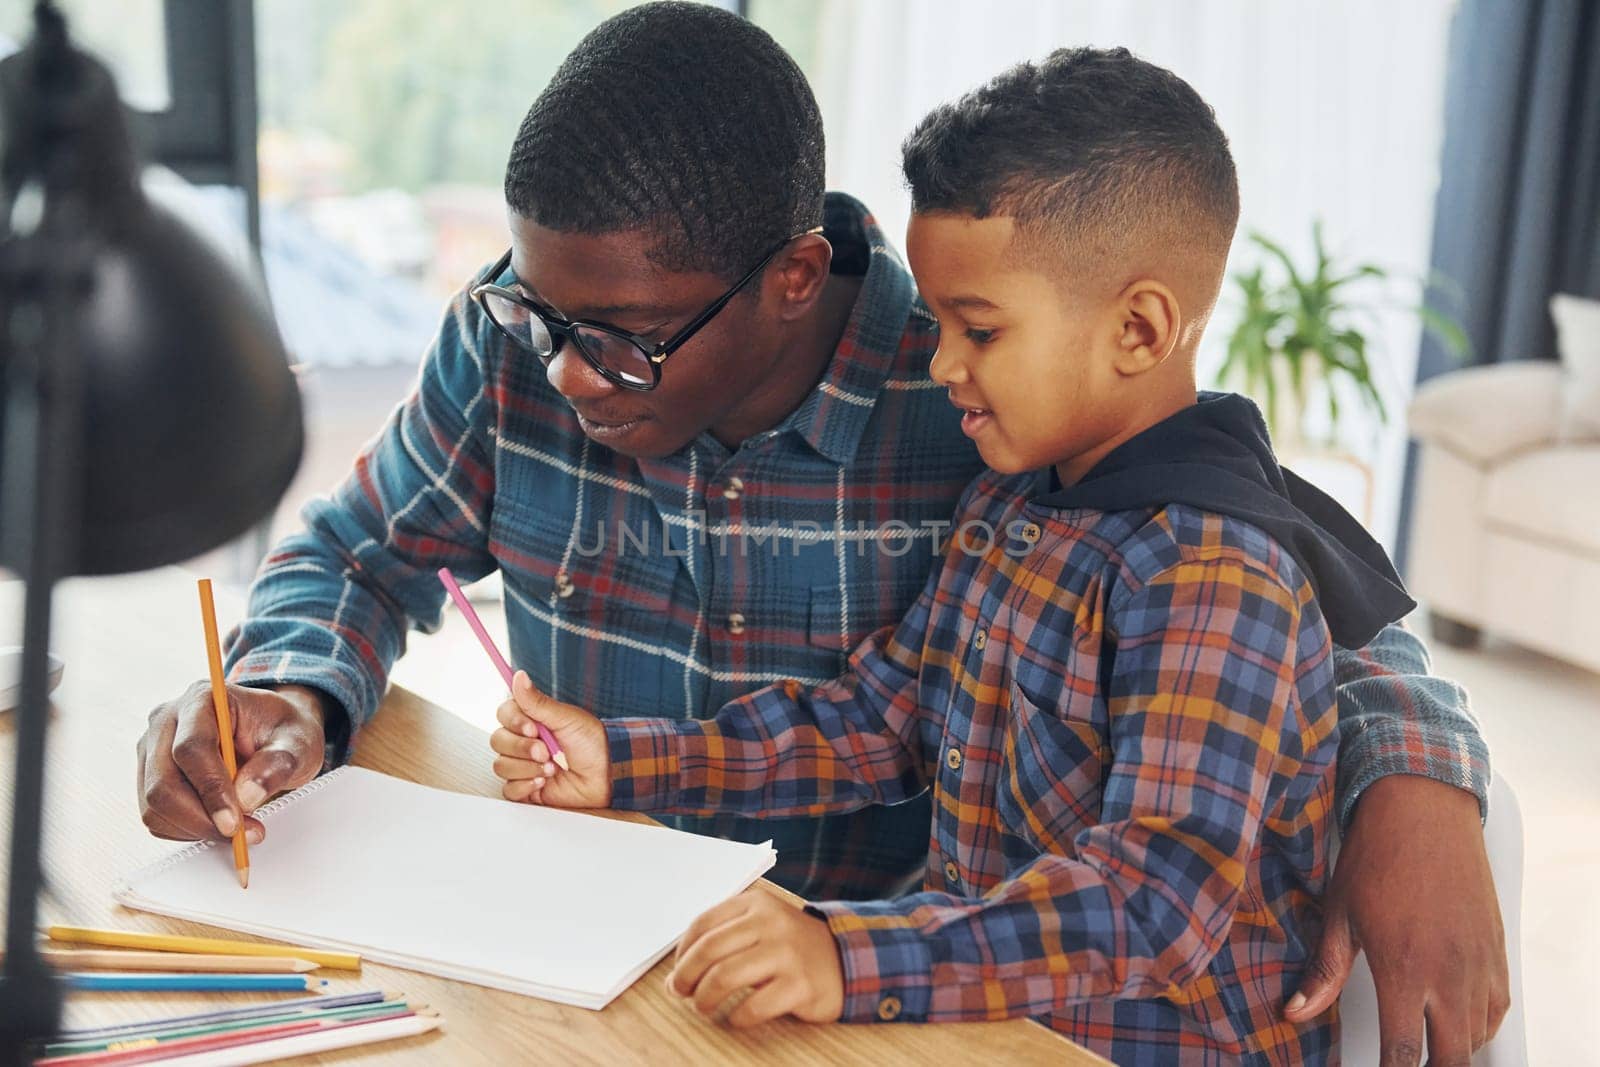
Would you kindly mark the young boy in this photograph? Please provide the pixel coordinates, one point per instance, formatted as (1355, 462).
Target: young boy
(1118, 686)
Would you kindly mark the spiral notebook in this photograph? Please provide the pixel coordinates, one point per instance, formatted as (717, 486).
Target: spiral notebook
(553, 904)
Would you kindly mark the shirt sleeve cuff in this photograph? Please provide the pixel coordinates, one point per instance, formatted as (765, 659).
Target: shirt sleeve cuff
(347, 693)
(888, 963)
(1383, 747)
(645, 762)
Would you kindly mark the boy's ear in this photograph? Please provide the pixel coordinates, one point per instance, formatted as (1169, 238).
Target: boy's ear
(800, 273)
(1151, 325)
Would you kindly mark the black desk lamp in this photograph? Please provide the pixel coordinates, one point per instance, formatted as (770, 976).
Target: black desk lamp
(147, 410)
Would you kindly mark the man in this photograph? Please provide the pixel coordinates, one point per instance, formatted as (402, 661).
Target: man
(699, 441)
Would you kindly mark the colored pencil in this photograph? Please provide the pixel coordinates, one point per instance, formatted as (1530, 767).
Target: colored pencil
(499, 661)
(149, 1049)
(199, 983)
(318, 1003)
(344, 961)
(131, 960)
(326, 1039)
(382, 1009)
(143, 1050)
(219, 700)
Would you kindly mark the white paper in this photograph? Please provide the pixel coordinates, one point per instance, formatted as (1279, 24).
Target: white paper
(554, 904)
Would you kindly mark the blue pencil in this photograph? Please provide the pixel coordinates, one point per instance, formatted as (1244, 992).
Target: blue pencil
(195, 982)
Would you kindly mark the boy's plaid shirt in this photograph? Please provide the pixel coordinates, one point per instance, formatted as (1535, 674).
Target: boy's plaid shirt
(1127, 725)
(781, 556)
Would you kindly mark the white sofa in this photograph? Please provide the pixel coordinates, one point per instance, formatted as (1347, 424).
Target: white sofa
(1505, 534)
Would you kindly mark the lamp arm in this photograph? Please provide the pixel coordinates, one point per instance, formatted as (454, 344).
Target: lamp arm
(41, 467)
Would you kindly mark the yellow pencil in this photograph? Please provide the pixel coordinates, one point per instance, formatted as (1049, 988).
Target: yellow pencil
(201, 962)
(219, 700)
(344, 961)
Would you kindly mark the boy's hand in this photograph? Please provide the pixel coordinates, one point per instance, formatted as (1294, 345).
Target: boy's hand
(772, 958)
(524, 761)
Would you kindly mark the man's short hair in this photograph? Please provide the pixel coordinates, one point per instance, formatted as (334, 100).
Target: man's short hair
(682, 120)
(1089, 151)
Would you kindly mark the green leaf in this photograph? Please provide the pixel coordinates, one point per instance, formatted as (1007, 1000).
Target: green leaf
(1283, 257)
(1313, 328)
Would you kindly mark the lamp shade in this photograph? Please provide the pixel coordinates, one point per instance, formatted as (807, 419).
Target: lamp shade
(192, 423)
(188, 416)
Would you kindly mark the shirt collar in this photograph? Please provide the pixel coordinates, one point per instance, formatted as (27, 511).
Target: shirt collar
(832, 418)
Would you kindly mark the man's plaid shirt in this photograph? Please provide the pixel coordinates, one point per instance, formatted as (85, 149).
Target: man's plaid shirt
(672, 586)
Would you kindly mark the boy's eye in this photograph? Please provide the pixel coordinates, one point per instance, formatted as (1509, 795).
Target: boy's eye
(980, 337)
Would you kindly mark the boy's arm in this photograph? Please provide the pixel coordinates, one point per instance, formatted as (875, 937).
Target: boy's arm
(1205, 722)
(330, 607)
(786, 750)
(1397, 718)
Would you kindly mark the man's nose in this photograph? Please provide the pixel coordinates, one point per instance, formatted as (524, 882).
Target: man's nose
(575, 378)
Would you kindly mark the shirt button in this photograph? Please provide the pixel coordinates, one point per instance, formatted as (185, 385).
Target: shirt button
(951, 871)
(889, 1009)
(564, 586)
(734, 490)
(980, 640)
(1031, 533)
(952, 758)
(736, 624)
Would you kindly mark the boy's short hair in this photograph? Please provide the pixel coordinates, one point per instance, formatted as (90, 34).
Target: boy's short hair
(681, 119)
(1094, 152)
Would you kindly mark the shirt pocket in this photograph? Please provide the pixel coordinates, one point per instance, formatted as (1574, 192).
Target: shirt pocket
(1051, 771)
(840, 621)
(838, 625)
(603, 654)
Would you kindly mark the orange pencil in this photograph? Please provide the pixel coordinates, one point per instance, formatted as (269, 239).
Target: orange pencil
(219, 699)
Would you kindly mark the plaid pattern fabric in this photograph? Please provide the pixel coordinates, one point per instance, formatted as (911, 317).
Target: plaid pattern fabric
(623, 578)
(1127, 724)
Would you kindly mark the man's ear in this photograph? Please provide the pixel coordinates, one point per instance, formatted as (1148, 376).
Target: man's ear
(798, 275)
(1151, 324)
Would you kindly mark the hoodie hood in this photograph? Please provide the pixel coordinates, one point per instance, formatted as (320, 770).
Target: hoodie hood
(1216, 456)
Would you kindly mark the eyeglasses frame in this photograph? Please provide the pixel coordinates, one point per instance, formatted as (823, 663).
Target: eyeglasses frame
(655, 352)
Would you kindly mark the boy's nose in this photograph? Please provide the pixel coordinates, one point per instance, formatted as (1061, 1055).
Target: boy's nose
(574, 378)
(946, 369)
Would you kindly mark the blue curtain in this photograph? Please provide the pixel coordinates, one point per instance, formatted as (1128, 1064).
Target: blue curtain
(1517, 217)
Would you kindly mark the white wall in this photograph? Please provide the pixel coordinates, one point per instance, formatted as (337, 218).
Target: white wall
(1333, 111)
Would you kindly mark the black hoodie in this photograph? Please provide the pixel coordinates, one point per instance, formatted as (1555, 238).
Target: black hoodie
(1216, 456)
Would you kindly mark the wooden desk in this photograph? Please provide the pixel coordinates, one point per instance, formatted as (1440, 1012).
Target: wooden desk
(133, 642)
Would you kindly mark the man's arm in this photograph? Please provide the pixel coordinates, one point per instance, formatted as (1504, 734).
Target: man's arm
(329, 609)
(1395, 717)
(1411, 754)
(331, 605)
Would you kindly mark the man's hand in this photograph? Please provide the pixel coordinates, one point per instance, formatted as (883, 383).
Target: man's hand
(770, 956)
(524, 763)
(1412, 888)
(184, 790)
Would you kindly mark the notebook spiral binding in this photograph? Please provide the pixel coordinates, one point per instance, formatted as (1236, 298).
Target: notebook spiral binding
(262, 812)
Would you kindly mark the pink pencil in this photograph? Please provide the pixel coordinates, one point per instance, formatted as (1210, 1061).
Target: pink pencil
(454, 589)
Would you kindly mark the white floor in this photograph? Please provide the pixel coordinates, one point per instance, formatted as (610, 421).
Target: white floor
(1542, 719)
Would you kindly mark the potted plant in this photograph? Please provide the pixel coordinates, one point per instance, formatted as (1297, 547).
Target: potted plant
(1301, 338)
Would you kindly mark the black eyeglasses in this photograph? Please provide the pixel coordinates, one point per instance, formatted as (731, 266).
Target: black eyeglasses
(629, 360)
